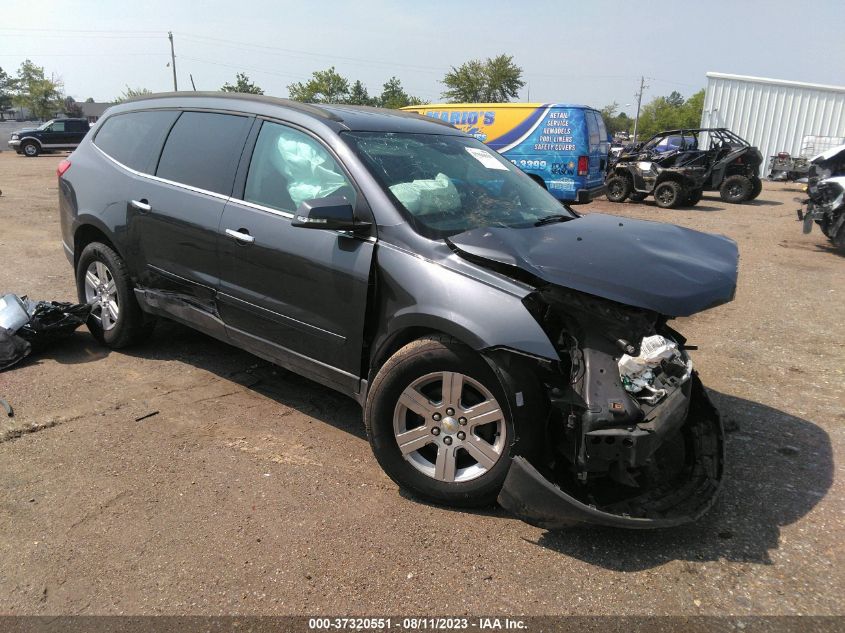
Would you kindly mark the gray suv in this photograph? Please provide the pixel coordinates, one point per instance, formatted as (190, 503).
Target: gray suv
(502, 346)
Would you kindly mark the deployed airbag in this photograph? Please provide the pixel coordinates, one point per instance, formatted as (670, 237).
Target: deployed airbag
(428, 196)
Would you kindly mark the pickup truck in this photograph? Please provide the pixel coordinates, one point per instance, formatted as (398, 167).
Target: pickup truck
(57, 134)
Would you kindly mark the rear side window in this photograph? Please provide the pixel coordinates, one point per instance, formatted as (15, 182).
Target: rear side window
(135, 138)
(203, 150)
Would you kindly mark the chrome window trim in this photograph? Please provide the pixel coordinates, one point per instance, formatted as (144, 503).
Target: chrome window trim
(181, 185)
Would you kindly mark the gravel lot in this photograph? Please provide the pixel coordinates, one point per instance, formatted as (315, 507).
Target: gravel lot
(253, 491)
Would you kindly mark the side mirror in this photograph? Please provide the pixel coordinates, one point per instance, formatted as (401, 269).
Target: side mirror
(333, 213)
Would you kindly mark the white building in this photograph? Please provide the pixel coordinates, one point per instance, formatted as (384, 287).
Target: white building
(772, 114)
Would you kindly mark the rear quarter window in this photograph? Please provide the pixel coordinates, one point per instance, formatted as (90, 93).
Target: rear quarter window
(134, 139)
(203, 150)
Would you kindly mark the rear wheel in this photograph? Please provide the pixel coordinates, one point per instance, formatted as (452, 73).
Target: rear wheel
(669, 194)
(30, 149)
(436, 423)
(756, 187)
(102, 280)
(735, 189)
(617, 188)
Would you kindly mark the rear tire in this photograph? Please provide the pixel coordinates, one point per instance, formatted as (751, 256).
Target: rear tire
(617, 188)
(102, 278)
(735, 189)
(445, 459)
(756, 187)
(669, 194)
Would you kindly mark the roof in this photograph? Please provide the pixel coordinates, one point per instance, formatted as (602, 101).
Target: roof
(357, 118)
(776, 82)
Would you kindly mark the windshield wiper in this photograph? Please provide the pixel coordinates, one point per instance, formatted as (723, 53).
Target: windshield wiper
(553, 218)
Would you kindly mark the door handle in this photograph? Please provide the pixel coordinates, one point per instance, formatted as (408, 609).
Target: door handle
(141, 205)
(241, 235)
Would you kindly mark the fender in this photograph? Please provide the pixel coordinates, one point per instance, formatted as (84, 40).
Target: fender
(445, 300)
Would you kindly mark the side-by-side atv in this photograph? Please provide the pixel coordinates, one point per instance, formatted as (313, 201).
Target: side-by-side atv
(676, 166)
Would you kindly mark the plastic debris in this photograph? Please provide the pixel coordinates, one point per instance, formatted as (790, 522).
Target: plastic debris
(637, 371)
(27, 326)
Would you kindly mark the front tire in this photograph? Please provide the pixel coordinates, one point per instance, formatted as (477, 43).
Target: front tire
(30, 149)
(102, 279)
(669, 194)
(735, 189)
(617, 188)
(436, 420)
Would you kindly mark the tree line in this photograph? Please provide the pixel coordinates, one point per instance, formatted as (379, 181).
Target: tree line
(493, 80)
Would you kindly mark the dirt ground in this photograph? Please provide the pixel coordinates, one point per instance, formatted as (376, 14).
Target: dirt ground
(253, 491)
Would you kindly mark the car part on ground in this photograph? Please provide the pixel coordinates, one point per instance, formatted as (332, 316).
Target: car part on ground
(31, 326)
(825, 204)
(729, 165)
(480, 323)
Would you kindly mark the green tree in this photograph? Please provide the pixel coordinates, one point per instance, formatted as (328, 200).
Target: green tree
(670, 113)
(7, 91)
(131, 93)
(358, 95)
(675, 99)
(495, 80)
(242, 84)
(72, 108)
(89, 100)
(325, 86)
(393, 95)
(33, 91)
(692, 109)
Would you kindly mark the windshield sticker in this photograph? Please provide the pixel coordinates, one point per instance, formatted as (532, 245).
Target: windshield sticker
(485, 158)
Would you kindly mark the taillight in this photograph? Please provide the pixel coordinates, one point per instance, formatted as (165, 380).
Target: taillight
(583, 165)
(62, 168)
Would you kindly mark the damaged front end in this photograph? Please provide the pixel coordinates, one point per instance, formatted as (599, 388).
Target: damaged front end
(632, 438)
(627, 435)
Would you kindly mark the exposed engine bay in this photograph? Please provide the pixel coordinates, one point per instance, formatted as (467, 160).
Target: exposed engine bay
(628, 435)
(825, 204)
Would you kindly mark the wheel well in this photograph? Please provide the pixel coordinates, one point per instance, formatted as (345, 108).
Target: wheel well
(24, 141)
(538, 180)
(86, 234)
(394, 343)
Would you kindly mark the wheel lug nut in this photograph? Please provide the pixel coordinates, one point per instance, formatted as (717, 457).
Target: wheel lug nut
(435, 431)
(447, 440)
(450, 411)
(436, 417)
(462, 421)
(462, 436)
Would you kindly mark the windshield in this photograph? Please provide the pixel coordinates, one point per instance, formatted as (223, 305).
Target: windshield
(450, 184)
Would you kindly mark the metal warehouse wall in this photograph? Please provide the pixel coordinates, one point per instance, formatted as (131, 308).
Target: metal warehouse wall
(772, 114)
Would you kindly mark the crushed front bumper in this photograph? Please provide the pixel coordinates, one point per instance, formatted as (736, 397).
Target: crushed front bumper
(529, 495)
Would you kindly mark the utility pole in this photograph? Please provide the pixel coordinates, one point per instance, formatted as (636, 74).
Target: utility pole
(172, 60)
(639, 97)
(193, 85)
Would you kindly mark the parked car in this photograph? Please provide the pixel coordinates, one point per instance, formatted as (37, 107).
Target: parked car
(563, 147)
(56, 134)
(501, 345)
(731, 165)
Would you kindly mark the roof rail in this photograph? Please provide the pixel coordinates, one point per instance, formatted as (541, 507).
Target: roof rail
(306, 108)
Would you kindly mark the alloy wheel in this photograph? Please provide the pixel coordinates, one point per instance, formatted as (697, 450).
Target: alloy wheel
(101, 294)
(450, 427)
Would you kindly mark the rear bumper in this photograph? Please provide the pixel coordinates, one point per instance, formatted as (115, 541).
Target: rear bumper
(533, 498)
(583, 196)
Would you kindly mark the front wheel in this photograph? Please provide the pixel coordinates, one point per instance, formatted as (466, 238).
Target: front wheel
(617, 188)
(436, 423)
(669, 194)
(30, 149)
(102, 280)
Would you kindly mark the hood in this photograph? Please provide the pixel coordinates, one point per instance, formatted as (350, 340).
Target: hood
(655, 266)
(26, 129)
(831, 153)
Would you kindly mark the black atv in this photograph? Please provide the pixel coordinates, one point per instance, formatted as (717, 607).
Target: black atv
(731, 165)
(673, 180)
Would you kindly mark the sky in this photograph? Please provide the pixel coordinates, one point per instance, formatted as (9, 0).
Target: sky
(592, 52)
